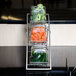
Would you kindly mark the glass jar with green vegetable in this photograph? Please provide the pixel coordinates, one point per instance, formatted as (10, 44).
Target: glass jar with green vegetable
(38, 13)
(39, 54)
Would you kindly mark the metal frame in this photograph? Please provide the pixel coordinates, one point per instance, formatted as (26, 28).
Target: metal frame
(27, 44)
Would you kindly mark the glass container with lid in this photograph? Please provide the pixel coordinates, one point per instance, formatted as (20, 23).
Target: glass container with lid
(38, 54)
(38, 13)
(38, 34)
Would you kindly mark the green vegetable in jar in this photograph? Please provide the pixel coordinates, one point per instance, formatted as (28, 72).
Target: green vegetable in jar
(38, 13)
(38, 57)
(40, 6)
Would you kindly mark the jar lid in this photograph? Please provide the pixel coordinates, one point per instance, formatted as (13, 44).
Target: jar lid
(41, 25)
(39, 50)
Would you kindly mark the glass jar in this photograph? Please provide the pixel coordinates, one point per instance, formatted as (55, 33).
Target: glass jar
(38, 34)
(38, 13)
(38, 54)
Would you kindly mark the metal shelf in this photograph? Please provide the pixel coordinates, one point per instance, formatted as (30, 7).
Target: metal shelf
(42, 65)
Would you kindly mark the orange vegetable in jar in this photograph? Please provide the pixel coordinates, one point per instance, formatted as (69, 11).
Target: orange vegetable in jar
(38, 34)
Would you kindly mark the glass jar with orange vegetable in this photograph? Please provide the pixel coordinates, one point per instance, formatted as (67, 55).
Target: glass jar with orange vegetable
(38, 34)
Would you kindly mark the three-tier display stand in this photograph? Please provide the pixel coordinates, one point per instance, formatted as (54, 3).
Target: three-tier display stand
(38, 65)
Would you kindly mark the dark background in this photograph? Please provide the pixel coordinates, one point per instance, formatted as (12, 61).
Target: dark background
(58, 9)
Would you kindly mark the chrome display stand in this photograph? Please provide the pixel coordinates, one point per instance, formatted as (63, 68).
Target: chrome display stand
(38, 65)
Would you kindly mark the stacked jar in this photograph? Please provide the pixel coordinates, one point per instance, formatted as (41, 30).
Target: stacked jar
(38, 34)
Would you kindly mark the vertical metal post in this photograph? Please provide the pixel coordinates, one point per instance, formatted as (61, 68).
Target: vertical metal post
(70, 74)
(49, 38)
(27, 42)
